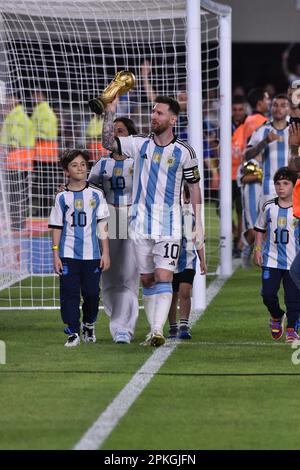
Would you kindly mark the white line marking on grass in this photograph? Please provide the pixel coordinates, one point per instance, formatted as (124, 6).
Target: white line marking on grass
(106, 422)
(242, 343)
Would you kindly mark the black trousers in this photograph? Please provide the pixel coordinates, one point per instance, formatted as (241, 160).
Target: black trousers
(79, 277)
(271, 280)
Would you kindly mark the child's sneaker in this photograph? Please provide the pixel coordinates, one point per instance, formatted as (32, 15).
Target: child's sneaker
(88, 333)
(73, 340)
(276, 328)
(184, 332)
(291, 335)
(173, 332)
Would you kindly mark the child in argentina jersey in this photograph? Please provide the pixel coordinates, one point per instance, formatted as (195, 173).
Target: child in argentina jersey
(274, 155)
(157, 180)
(77, 259)
(276, 254)
(77, 213)
(184, 275)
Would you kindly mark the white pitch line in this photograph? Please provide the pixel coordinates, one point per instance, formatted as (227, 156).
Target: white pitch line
(106, 422)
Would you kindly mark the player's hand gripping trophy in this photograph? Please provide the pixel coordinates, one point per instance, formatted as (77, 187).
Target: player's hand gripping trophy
(122, 83)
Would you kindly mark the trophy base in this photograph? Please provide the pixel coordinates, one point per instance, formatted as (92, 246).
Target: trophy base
(96, 106)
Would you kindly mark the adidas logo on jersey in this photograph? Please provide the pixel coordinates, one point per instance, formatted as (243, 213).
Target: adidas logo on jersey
(172, 263)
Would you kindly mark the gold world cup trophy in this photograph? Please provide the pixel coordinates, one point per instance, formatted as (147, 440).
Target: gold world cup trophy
(122, 83)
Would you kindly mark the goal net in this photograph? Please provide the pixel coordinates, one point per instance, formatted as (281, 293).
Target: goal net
(56, 55)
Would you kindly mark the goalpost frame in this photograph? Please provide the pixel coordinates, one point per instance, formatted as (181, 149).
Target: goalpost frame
(196, 129)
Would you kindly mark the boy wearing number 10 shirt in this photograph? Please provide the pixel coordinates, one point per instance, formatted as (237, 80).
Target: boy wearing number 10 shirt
(281, 244)
(77, 219)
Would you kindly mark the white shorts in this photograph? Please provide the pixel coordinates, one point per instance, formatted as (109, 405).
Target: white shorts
(153, 254)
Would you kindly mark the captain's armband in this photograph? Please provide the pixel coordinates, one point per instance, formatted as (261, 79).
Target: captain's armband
(191, 175)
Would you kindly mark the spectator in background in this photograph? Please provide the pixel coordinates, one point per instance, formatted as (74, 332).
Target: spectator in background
(238, 119)
(181, 97)
(260, 103)
(17, 142)
(270, 89)
(46, 151)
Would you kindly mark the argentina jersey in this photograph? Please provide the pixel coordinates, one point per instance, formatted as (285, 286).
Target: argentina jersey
(275, 154)
(251, 193)
(188, 256)
(282, 235)
(116, 179)
(77, 213)
(157, 182)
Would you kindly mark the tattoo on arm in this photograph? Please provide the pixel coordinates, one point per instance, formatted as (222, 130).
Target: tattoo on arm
(294, 163)
(108, 140)
(254, 151)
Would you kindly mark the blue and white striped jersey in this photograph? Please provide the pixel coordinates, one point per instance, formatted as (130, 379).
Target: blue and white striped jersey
(188, 255)
(275, 154)
(282, 234)
(77, 214)
(157, 183)
(251, 193)
(116, 178)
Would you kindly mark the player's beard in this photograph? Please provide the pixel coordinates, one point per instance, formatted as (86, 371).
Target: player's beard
(158, 129)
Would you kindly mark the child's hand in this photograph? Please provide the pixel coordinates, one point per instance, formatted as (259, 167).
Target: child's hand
(58, 266)
(203, 267)
(257, 258)
(201, 257)
(105, 262)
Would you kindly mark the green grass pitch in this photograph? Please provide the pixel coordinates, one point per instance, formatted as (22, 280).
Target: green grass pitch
(230, 387)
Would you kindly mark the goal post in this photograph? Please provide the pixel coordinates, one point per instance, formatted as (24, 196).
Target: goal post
(70, 50)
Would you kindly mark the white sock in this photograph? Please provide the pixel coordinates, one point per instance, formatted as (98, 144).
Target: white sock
(163, 300)
(149, 303)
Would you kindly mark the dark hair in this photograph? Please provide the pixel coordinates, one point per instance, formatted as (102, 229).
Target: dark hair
(128, 123)
(69, 155)
(239, 99)
(284, 173)
(280, 96)
(171, 102)
(255, 95)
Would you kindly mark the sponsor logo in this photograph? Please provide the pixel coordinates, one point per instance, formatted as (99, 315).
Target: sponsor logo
(92, 203)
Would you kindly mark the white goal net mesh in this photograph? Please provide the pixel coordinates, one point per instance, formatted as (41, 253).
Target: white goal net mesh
(56, 56)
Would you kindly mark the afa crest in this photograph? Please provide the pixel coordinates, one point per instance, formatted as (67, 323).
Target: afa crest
(170, 161)
(92, 203)
(156, 157)
(281, 222)
(78, 204)
(117, 171)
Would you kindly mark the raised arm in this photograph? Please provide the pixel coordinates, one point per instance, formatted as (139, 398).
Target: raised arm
(108, 139)
(294, 144)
